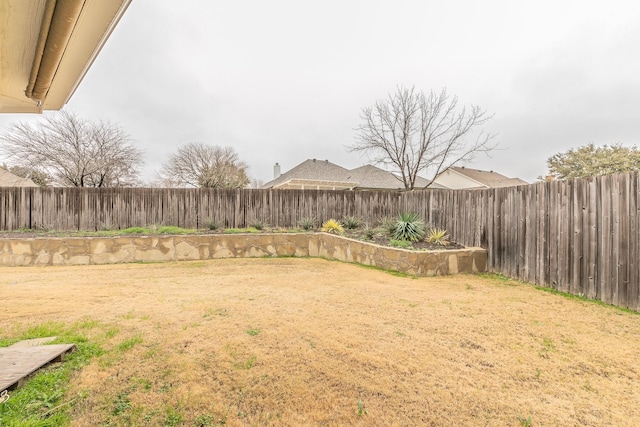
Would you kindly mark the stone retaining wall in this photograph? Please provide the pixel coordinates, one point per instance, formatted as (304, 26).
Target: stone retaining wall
(111, 250)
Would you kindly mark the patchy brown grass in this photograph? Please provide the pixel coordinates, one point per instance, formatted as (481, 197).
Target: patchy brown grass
(311, 342)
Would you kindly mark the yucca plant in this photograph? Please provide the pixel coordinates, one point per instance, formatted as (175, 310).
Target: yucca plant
(409, 226)
(437, 236)
(387, 224)
(307, 223)
(370, 233)
(332, 226)
(351, 222)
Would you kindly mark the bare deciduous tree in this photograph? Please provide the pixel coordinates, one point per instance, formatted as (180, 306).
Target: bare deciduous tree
(74, 152)
(415, 132)
(207, 166)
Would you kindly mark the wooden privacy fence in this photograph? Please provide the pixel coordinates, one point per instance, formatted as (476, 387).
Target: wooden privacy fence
(91, 209)
(578, 236)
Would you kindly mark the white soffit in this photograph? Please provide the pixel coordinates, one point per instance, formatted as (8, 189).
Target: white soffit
(20, 23)
(95, 24)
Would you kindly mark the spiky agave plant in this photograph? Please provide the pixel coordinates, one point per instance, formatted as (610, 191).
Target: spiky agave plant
(437, 236)
(307, 223)
(409, 227)
(369, 232)
(332, 226)
(351, 222)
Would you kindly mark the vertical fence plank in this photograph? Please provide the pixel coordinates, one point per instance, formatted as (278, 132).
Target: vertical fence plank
(634, 242)
(575, 239)
(622, 249)
(604, 237)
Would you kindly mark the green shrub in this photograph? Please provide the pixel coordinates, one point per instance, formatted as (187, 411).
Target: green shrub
(332, 226)
(403, 244)
(437, 236)
(212, 225)
(409, 226)
(134, 230)
(257, 224)
(307, 223)
(170, 229)
(351, 222)
(241, 230)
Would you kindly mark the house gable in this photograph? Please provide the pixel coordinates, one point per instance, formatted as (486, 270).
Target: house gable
(461, 177)
(454, 180)
(7, 179)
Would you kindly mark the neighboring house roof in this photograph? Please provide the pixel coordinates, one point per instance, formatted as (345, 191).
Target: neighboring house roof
(372, 177)
(47, 48)
(314, 173)
(7, 179)
(474, 178)
(324, 175)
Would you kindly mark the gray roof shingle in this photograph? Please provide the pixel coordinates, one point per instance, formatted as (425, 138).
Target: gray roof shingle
(324, 174)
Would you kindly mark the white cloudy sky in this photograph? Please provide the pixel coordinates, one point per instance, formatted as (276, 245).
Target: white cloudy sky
(285, 80)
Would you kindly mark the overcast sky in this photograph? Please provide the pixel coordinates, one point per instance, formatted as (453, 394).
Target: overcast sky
(285, 80)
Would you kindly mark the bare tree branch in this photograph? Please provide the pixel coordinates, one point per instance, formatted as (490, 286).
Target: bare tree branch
(73, 151)
(200, 165)
(414, 133)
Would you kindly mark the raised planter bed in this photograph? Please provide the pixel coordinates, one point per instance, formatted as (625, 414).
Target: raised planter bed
(111, 250)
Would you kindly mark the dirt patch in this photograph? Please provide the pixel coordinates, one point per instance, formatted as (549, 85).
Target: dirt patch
(313, 342)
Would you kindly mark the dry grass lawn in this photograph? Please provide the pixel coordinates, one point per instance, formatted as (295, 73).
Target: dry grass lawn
(296, 342)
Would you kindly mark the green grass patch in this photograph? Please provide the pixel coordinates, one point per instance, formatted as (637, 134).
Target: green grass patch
(401, 244)
(173, 418)
(176, 230)
(131, 231)
(581, 297)
(43, 400)
(241, 230)
(246, 363)
(128, 344)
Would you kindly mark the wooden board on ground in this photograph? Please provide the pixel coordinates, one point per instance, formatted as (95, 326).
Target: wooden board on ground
(23, 358)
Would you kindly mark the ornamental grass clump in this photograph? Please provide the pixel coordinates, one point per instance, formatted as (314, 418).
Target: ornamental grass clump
(307, 223)
(369, 233)
(351, 222)
(257, 224)
(332, 226)
(437, 236)
(409, 227)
